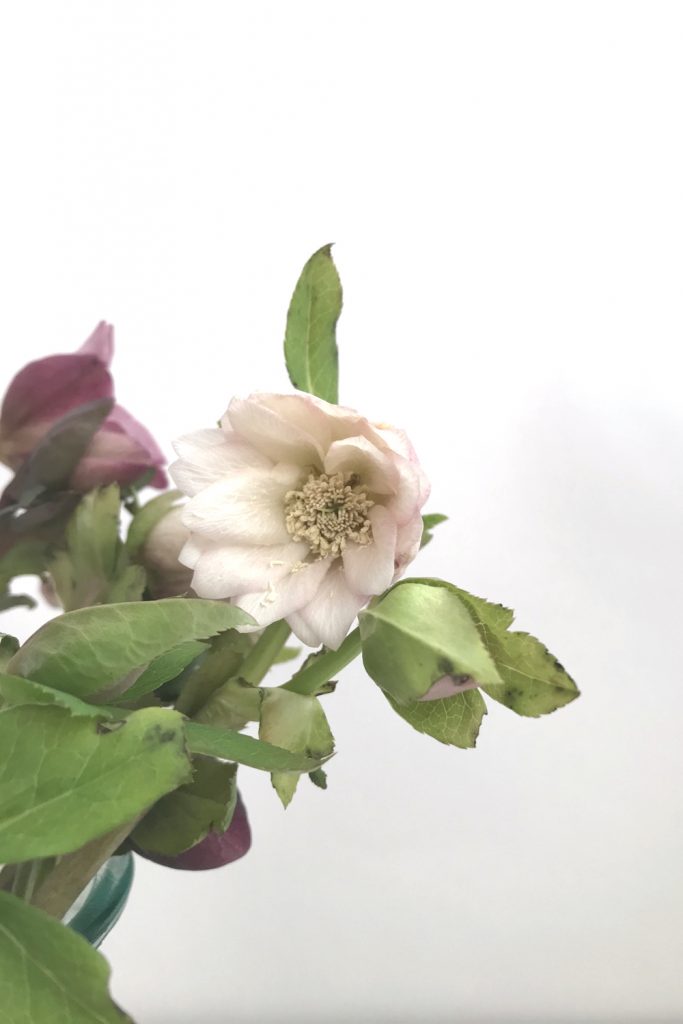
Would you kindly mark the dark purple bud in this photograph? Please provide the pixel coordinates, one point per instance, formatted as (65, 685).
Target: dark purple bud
(214, 850)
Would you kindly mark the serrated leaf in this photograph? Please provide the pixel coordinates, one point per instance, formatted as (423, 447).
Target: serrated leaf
(146, 518)
(235, 746)
(297, 723)
(429, 522)
(15, 690)
(452, 720)
(416, 634)
(310, 337)
(66, 780)
(533, 682)
(48, 973)
(184, 817)
(88, 650)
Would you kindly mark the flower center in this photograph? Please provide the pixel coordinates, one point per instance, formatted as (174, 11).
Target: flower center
(327, 512)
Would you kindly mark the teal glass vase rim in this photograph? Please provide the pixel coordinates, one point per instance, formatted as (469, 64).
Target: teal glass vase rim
(100, 905)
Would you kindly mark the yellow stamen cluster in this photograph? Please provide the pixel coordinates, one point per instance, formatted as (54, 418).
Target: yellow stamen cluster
(328, 511)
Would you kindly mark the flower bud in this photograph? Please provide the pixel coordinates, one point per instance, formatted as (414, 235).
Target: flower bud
(47, 389)
(214, 850)
(159, 555)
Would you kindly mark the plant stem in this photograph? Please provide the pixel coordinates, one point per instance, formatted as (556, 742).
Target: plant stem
(322, 667)
(72, 872)
(264, 652)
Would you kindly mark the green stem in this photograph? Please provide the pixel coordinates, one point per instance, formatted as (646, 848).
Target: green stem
(322, 667)
(264, 652)
(72, 872)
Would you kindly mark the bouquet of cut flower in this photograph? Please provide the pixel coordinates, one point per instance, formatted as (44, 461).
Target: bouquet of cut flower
(124, 719)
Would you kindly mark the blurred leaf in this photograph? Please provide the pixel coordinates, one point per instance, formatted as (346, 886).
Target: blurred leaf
(184, 817)
(88, 650)
(429, 522)
(310, 337)
(24, 558)
(8, 601)
(69, 779)
(416, 634)
(235, 746)
(453, 720)
(50, 975)
(287, 654)
(9, 645)
(296, 723)
(319, 778)
(55, 457)
(94, 568)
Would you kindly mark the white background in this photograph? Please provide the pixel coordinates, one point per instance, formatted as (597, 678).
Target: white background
(503, 182)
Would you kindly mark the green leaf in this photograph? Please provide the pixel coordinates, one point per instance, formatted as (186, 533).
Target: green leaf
(167, 666)
(533, 682)
(48, 973)
(453, 720)
(14, 690)
(24, 558)
(66, 780)
(55, 457)
(297, 723)
(235, 746)
(429, 522)
(319, 778)
(232, 705)
(204, 676)
(310, 337)
(181, 819)
(146, 518)
(9, 645)
(94, 567)
(8, 601)
(287, 654)
(416, 634)
(89, 650)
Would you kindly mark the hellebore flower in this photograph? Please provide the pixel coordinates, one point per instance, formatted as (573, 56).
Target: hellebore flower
(300, 510)
(42, 392)
(214, 850)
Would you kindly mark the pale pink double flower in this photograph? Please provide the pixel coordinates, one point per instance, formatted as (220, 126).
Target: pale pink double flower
(300, 510)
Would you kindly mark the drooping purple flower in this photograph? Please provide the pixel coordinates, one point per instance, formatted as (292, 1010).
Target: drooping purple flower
(45, 390)
(215, 850)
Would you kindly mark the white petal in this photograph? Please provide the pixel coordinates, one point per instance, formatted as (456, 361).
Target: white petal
(369, 568)
(376, 470)
(408, 543)
(247, 508)
(192, 551)
(303, 411)
(301, 630)
(330, 614)
(229, 570)
(210, 455)
(409, 498)
(291, 594)
(272, 434)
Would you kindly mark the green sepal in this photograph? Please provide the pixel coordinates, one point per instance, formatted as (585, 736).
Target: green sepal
(146, 518)
(417, 633)
(220, 663)
(234, 704)
(452, 720)
(184, 817)
(310, 336)
(297, 723)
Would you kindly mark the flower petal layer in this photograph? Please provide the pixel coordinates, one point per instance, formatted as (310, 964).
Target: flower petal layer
(293, 593)
(328, 615)
(369, 568)
(244, 508)
(209, 455)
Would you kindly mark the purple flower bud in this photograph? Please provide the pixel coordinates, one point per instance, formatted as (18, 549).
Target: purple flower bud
(47, 389)
(214, 850)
